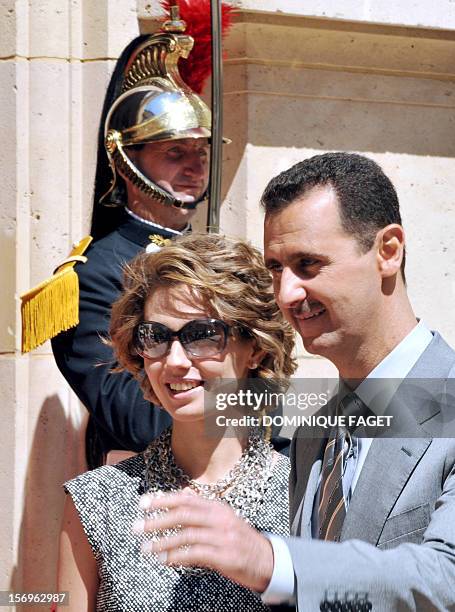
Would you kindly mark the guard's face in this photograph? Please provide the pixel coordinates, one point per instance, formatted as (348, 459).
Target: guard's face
(178, 378)
(325, 286)
(181, 167)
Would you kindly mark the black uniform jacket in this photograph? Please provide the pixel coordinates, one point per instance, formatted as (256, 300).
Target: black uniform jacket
(124, 419)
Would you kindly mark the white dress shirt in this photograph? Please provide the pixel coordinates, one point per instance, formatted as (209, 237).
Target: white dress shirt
(394, 367)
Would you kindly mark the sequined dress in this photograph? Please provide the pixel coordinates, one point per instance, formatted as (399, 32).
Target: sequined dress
(107, 501)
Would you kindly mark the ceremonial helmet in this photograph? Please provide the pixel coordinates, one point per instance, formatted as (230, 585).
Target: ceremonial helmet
(155, 104)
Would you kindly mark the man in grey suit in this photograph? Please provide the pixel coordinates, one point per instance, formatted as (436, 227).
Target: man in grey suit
(373, 520)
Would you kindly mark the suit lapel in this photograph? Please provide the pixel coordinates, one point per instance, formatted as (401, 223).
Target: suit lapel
(391, 461)
(301, 525)
(387, 468)
(308, 465)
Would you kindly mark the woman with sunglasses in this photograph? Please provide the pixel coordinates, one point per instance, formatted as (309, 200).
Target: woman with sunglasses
(192, 315)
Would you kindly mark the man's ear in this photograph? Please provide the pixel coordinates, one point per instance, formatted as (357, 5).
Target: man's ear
(391, 241)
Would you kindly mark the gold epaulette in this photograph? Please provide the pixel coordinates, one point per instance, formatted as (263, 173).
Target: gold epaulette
(53, 306)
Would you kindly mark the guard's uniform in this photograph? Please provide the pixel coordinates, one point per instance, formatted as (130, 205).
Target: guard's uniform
(147, 102)
(124, 419)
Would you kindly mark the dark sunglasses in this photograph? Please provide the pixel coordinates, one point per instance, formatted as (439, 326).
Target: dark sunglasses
(199, 338)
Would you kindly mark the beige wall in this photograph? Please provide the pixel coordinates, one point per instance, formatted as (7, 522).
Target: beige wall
(295, 84)
(55, 60)
(303, 85)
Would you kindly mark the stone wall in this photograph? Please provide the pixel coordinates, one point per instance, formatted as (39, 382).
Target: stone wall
(377, 78)
(55, 61)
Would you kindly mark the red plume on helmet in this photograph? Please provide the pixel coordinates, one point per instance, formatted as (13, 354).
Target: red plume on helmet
(196, 13)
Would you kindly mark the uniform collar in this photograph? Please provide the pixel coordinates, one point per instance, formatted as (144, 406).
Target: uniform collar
(140, 233)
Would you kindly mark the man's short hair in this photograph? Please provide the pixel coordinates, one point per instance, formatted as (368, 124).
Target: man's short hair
(367, 199)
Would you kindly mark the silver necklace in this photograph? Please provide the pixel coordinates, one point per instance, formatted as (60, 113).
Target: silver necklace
(243, 488)
(245, 479)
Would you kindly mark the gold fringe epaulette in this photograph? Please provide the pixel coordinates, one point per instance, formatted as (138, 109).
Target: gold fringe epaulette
(53, 306)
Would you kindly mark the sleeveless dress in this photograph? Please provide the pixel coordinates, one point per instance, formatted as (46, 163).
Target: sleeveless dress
(107, 501)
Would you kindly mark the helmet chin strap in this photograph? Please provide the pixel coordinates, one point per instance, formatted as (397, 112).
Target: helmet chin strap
(120, 161)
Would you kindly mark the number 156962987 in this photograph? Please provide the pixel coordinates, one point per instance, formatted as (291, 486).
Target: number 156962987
(8, 598)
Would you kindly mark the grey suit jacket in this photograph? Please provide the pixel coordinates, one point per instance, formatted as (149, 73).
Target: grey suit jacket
(397, 546)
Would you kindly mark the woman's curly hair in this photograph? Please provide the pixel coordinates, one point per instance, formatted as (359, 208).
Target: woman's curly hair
(229, 276)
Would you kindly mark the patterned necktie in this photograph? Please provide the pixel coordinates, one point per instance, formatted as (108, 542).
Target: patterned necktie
(332, 502)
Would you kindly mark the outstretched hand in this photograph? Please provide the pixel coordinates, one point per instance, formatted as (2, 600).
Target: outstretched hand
(209, 534)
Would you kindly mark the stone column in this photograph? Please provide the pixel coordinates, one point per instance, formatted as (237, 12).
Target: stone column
(55, 61)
